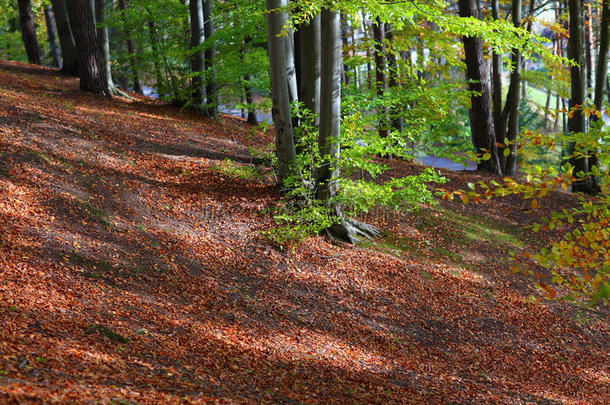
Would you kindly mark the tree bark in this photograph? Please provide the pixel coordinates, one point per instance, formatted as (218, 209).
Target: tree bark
(28, 32)
(103, 41)
(91, 70)
(496, 81)
(513, 99)
(211, 89)
(198, 56)
(380, 74)
(52, 37)
(277, 19)
(396, 108)
(481, 118)
(577, 120)
(309, 85)
(66, 40)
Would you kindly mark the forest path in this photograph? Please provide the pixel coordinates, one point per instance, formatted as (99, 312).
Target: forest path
(132, 268)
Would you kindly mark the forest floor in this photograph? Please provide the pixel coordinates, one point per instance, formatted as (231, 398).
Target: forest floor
(133, 270)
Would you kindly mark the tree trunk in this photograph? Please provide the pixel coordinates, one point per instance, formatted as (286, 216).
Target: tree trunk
(345, 46)
(481, 118)
(198, 57)
(512, 103)
(28, 32)
(152, 37)
(601, 77)
(247, 87)
(210, 52)
(277, 18)
(589, 48)
(396, 108)
(92, 72)
(380, 74)
(329, 141)
(576, 120)
(104, 42)
(52, 37)
(309, 86)
(499, 124)
(66, 40)
(137, 86)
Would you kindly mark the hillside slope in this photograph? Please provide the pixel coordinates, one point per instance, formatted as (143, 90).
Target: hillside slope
(133, 270)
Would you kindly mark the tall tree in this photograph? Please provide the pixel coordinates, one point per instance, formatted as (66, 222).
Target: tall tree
(481, 117)
(103, 42)
(511, 110)
(90, 62)
(309, 85)
(381, 79)
(576, 120)
(277, 19)
(198, 55)
(496, 81)
(66, 39)
(210, 51)
(52, 37)
(329, 141)
(28, 31)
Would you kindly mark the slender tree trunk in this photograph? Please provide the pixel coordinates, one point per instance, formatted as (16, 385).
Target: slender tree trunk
(66, 40)
(277, 19)
(152, 36)
(380, 74)
(601, 80)
(395, 110)
(247, 87)
(481, 117)
(589, 48)
(210, 53)
(103, 41)
(576, 120)
(513, 101)
(137, 86)
(28, 32)
(91, 70)
(345, 46)
(198, 56)
(52, 37)
(499, 124)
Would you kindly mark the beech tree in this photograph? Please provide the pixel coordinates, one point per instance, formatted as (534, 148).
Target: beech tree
(28, 31)
(91, 68)
(52, 37)
(66, 39)
(481, 117)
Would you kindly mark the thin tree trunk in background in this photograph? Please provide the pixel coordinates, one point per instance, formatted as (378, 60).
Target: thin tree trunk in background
(66, 40)
(28, 32)
(496, 81)
(577, 120)
(52, 37)
(137, 86)
(91, 70)
(277, 19)
(210, 53)
(103, 40)
(247, 87)
(589, 48)
(354, 49)
(198, 56)
(397, 122)
(481, 117)
(345, 47)
(601, 79)
(368, 51)
(380, 74)
(152, 37)
(512, 103)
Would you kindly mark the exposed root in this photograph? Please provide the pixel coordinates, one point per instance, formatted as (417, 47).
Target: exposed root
(351, 231)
